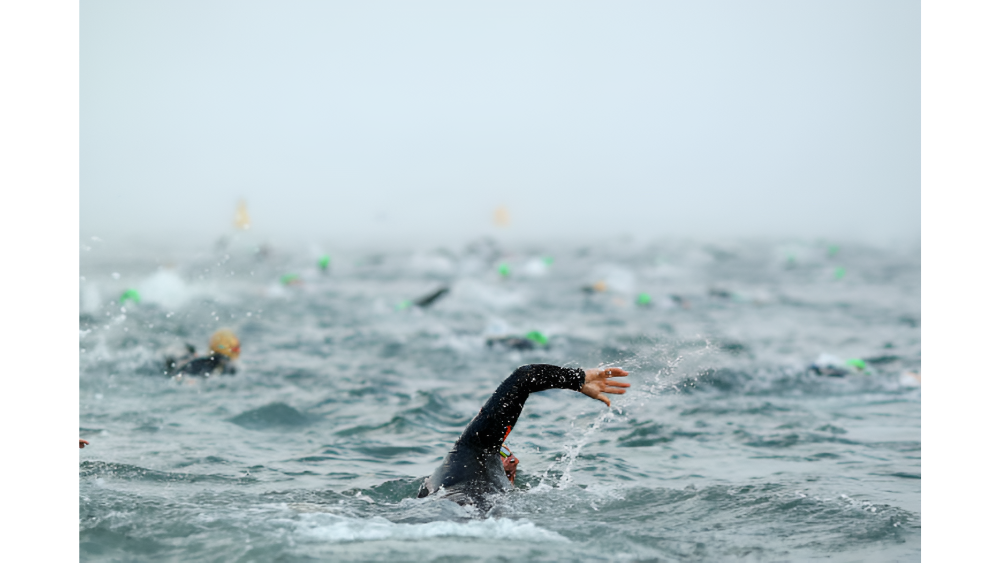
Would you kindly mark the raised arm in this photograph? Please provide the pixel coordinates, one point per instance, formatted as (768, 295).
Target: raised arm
(497, 418)
(473, 465)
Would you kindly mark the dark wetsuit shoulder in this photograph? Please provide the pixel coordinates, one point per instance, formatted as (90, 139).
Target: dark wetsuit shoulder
(473, 465)
(211, 364)
(500, 413)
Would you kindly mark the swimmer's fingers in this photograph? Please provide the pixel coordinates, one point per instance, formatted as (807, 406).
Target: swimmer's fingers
(603, 373)
(596, 390)
(613, 383)
(84, 443)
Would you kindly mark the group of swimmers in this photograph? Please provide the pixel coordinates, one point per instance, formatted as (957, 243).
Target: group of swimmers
(479, 464)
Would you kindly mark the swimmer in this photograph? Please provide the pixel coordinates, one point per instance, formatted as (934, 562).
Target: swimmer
(224, 348)
(512, 342)
(83, 443)
(599, 287)
(429, 299)
(530, 341)
(479, 463)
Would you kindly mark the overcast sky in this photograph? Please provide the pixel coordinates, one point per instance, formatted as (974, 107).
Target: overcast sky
(414, 121)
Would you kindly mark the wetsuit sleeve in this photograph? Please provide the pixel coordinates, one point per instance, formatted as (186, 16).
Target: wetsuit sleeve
(204, 366)
(497, 418)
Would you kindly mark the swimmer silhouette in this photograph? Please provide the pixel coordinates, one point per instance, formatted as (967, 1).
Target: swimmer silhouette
(429, 299)
(224, 347)
(512, 342)
(474, 466)
(530, 341)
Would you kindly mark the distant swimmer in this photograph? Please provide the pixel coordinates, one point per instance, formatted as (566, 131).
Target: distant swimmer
(832, 366)
(429, 299)
(530, 341)
(224, 348)
(599, 287)
(511, 342)
(479, 463)
(425, 301)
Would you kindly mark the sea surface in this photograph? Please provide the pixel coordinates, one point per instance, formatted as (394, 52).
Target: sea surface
(726, 448)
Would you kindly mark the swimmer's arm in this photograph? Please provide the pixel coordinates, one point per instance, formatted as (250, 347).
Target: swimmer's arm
(83, 443)
(498, 416)
(598, 382)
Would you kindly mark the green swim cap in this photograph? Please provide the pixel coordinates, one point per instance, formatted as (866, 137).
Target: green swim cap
(537, 337)
(289, 279)
(857, 363)
(839, 273)
(503, 269)
(129, 295)
(548, 260)
(643, 299)
(403, 304)
(324, 262)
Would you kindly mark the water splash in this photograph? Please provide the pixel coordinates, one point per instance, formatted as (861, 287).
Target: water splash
(668, 370)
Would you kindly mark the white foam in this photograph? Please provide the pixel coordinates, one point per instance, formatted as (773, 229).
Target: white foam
(90, 297)
(166, 288)
(333, 528)
(909, 379)
(536, 267)
(617, 278)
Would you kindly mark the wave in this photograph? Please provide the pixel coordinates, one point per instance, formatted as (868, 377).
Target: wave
(126, 472)
(272, 416)
(333, 528)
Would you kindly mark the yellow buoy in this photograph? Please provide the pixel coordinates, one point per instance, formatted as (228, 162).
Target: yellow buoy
(242, 220)
(501, 217)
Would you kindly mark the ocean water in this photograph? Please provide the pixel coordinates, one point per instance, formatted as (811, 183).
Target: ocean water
(726, 448)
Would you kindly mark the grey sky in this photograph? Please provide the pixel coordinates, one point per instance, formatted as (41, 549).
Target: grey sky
(414, 120)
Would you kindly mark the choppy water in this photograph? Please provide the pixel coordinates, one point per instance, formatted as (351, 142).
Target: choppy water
(726, 448)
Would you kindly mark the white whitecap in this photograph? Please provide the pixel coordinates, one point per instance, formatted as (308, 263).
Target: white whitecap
(165, 288)
(90, 297)
(535, 267)
(333, 528)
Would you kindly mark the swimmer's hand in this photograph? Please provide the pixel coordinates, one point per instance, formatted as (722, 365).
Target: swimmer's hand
(599, 382)
(84, 443)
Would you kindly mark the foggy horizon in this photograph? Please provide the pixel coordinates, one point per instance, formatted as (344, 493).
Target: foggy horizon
(359, 124)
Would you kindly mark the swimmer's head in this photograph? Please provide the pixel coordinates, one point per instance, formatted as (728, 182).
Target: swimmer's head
(509, 463)
(225, 342)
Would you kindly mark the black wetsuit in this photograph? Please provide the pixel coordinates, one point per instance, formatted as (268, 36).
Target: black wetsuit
(212, 364)
(512, 342)
(473, 467)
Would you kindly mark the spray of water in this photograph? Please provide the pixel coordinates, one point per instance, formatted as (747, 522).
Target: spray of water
(669, 368)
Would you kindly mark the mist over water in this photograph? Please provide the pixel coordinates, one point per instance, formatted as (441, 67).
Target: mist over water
(725, 448)
(363, 122)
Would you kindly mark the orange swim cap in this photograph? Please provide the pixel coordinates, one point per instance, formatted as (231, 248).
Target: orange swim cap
(225, 342)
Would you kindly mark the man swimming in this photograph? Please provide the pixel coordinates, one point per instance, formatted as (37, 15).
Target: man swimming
(476, 465)
(223, 348)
